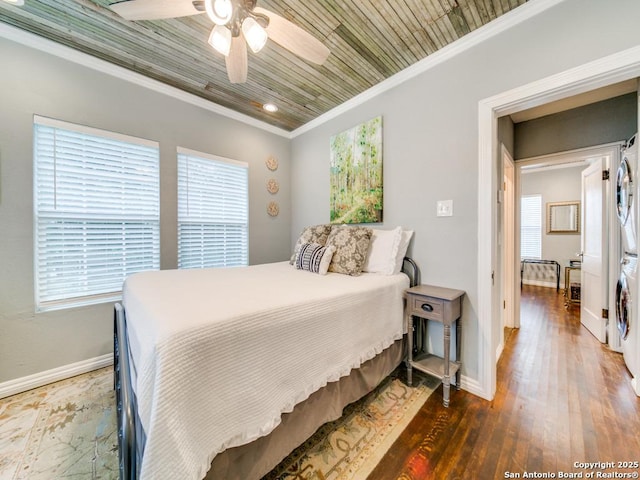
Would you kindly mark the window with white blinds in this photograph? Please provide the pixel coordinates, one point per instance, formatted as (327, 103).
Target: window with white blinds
(97, 212)
(531, 226)
(213, 211)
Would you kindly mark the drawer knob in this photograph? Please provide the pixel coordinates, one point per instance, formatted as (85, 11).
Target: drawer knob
(426, 307)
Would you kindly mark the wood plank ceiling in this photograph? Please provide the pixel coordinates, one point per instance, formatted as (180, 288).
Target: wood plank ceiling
(369, 42)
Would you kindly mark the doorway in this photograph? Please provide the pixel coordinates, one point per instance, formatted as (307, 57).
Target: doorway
(616, 68)
(576, 177)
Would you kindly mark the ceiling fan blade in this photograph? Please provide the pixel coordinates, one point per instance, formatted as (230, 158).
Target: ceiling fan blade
(154, 9)
(237, 60)
(294, 38)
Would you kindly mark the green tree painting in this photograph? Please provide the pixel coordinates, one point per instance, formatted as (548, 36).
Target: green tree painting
(356, 174)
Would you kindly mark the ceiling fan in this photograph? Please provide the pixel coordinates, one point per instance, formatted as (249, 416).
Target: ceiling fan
(238, 23)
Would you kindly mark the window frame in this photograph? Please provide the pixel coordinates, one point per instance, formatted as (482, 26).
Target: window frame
(537, 226)
(186, 154)
(150, 220)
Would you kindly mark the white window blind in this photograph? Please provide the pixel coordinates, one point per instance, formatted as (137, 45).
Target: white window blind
(97, 212)
(213, 211)
(531, 226)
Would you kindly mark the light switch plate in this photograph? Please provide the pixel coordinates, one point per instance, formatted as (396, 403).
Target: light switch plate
(444, 208)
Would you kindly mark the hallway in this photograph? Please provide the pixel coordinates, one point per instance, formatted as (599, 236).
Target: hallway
(562, 399)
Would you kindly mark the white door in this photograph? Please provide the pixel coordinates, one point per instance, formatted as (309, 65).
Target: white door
(593, 276)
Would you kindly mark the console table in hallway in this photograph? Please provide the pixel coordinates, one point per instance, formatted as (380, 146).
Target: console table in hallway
(571, 289)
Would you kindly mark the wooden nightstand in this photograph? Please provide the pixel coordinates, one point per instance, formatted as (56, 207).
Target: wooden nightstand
(442, 305)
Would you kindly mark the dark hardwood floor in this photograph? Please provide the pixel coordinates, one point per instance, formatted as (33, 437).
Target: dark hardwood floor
(562, 397)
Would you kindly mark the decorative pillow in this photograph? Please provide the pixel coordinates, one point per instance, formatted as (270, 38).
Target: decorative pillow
(352, 245)
(402, 250)
(383, 251)
(314, 258)
(314, 234)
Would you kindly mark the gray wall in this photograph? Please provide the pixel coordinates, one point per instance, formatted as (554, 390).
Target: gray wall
(600, 123)
(596, 124)
(506, 136)
(555, 185)
(431, 138)
(33, 82)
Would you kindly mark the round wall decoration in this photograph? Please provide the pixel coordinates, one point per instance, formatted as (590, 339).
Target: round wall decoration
(273, 209)
(272, 163)
(272, 186)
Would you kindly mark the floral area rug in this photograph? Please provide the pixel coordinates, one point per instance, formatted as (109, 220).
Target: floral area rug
(67, 430)
(351, 447)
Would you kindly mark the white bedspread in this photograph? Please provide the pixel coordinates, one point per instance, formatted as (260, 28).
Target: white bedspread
(220, 354)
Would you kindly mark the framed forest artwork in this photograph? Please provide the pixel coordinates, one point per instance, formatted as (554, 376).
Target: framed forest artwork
(356, 174)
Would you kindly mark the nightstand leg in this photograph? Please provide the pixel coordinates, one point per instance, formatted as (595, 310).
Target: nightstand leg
(446, 390)
(446, 379)
(409, 349)
(458, 351)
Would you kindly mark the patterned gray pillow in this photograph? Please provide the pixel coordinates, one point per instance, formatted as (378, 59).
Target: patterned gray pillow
(352, 245)
(314, 234)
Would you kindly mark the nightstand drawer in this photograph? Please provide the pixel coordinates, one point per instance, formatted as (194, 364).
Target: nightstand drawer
(427, 307)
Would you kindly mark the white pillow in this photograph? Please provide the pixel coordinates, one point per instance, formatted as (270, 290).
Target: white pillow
(383, 251)
(402, 250)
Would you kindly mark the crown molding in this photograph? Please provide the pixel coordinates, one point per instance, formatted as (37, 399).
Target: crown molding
(67, 53)
(491, 29)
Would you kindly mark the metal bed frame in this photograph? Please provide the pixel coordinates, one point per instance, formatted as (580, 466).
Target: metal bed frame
(131, 436)
(127, 419)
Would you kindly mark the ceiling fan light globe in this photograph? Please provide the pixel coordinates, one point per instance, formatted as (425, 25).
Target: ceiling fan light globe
(219, 11)
(220, 39)
(254, 34)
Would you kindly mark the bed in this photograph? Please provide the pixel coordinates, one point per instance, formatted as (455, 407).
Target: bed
(220, 373)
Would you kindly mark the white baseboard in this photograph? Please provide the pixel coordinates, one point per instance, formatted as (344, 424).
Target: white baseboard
(499, 351)
(471, 385)
(19, 385)
(635, 383)
(539, 283)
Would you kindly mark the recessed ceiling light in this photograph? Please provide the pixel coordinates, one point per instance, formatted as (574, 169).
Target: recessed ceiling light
(270, 107)
(19, 3)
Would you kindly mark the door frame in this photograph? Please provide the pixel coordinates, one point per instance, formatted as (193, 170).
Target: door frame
(618, 67)
(576, 157)
(507, 277)
(509, 285)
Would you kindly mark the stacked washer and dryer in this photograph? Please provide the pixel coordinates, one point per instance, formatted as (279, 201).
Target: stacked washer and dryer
(627, 294)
